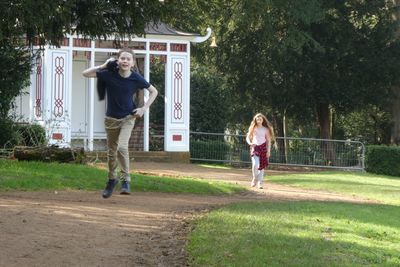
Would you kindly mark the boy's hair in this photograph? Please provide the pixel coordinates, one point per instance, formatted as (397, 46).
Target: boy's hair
(127, 50)
(130, 51)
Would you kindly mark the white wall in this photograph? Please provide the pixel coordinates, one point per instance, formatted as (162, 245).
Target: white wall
(22, 107)
(80, 100)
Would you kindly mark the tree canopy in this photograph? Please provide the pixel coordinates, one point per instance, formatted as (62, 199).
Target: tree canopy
(47, 22)
(43, 22)
(303, 59)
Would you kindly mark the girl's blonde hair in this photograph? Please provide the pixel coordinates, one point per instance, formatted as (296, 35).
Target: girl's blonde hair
(265, 123)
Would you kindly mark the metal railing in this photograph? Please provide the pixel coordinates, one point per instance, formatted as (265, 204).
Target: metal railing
(233, 149)
(290, 151)
(24, 134)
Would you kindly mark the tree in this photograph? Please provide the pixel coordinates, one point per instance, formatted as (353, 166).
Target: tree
(395, 100)
(356, 66)
(318, 54)
(370, 125)
(15, 68)
(41, 22)
(336, 54)
(208, 107)
(304, 60)
(47, 22)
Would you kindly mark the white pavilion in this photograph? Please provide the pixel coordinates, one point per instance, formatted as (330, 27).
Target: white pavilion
(67, 106)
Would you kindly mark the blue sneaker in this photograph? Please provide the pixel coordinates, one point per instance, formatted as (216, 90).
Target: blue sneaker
(110, 188)
(125, 188)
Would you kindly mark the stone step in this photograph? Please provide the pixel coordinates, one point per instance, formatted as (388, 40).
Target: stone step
(144, 156)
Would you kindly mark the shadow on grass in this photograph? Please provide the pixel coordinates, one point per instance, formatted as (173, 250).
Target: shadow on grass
(145, 183)
(299, 180)
(298, 234)
(377, 214)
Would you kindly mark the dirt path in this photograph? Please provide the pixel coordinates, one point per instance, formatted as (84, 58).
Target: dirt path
(143, 229)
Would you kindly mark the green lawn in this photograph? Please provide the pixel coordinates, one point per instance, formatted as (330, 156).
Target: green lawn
(305, 233)
(297, 234)
(372, 186)
(262, 233)
(29, 176)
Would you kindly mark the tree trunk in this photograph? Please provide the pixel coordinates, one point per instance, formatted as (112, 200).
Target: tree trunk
(49, 154)
(395, 134)
(279, 124)
(324, 120)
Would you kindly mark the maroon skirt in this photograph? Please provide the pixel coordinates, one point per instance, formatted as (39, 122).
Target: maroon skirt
(261, 151)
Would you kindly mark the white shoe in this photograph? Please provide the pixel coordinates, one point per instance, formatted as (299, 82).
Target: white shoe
(253, 183)
(259, 185)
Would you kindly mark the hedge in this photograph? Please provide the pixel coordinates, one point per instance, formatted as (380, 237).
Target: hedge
(383, 160)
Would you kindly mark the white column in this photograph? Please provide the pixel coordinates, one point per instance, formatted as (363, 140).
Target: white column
(188, 67)
(146, 97)
(177, 104)
(91, 101)
(68, 91)
(58, 91)
(167, 97)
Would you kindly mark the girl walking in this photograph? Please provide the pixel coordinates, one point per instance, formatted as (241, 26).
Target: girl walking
(120, 82)
(260, 136)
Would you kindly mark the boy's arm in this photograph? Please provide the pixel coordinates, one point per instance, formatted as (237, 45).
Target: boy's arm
(152, 96)
(91, 72)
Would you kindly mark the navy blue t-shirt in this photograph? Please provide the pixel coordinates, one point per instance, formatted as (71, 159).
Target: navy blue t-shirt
(120, 92)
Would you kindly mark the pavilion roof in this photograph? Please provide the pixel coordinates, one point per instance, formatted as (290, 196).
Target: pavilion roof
(161, 28)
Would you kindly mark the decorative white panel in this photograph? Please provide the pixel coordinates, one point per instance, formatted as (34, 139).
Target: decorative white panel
(38, 89)
(29, 105)
(58, 86)
(178, 90)
(58, 92)
(177, 105)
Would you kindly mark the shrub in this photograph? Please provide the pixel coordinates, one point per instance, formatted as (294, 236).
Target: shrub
(13, 134)
(8, 133)
(383, 160)
(32, 134)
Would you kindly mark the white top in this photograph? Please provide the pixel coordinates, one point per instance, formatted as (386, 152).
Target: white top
(259, 136)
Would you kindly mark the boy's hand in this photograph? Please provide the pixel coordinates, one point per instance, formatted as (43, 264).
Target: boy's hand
(138, 113)
(110, 59)
(104, 65)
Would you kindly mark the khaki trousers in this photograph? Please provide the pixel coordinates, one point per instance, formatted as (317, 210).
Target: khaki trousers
(118, 134)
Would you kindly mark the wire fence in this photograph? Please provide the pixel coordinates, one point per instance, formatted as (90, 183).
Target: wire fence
(307, 152)
(233, 149)
(21, 134)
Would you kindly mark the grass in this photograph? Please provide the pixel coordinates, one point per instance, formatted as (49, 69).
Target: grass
(33, 176)
(305, 233)
(262, 233)
(366, 185)
(297, 234)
